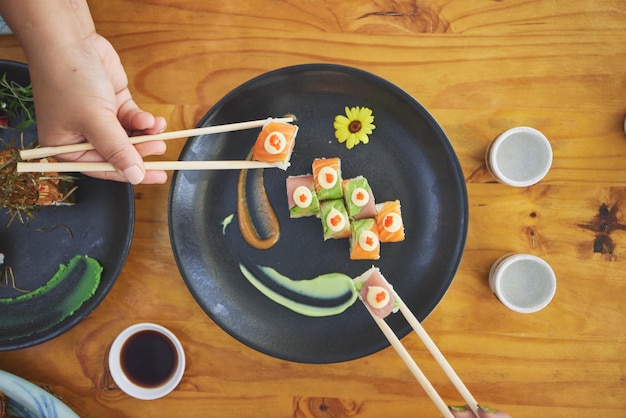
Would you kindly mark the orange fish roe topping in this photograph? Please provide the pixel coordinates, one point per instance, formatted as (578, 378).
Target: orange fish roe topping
(381, 296)
(335, 220)
(275, 141)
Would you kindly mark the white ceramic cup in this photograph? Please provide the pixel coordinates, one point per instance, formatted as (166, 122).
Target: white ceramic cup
(522, 282)
(519, 157)
(120, 371)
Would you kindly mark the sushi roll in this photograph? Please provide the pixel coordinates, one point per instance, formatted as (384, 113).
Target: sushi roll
(335, 219)
(359, 198)
(327, 177)
(364, 243)
(389, 221)
(301, 196)
(275, 144)
(376, 292)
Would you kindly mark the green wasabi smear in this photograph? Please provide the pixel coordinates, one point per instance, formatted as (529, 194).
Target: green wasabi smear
(325, 287)
(227, 220)
(72, 285)
(93, 269)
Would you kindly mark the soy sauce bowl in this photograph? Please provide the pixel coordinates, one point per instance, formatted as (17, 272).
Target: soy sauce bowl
(147, 361)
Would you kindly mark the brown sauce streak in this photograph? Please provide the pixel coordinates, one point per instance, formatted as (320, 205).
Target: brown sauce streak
(263, 209)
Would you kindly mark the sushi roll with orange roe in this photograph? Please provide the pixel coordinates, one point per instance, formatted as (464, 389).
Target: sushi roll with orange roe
(301, 196)
(275, 144)
(359, 198)
(364, 243)
(376, 292)
(327, 177)
(389, 221)
(335, 221)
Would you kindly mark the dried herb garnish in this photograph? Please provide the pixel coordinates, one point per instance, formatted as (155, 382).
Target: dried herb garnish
(22, 194)
(17, 102)
(8, 278)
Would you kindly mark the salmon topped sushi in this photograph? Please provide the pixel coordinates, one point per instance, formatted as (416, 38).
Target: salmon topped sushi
(364, 243)
(389, 221)
(275, 144)
(359, 198)
(376, 292)
(301, 196)
(327, 177)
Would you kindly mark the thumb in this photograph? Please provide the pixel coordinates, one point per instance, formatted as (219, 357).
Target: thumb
(112, 143)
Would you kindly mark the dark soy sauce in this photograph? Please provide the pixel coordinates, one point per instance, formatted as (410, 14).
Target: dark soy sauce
(149, 358)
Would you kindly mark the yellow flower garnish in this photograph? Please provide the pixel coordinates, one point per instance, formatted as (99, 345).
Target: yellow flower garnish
(355, 127)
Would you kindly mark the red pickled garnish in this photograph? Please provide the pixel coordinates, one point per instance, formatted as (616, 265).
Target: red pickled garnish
(335, 220)
(302, 198)
(275, 141)
(381, 296)
(369, 241)
(330, 177)
(388, 221)
(360, 196)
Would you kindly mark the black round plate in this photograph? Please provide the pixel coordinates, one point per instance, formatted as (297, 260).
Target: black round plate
(408, 158)
(100, 225)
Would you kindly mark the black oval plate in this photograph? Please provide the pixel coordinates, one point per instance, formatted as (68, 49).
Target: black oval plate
(100, 225)
(408, 158)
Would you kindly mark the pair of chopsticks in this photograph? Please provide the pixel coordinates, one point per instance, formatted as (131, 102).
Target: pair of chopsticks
(69, 167)
(436, 353)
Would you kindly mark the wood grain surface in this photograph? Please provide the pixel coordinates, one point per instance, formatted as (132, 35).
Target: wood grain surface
(480, 67)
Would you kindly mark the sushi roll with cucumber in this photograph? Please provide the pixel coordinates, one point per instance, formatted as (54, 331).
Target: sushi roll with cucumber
(335, 221)
(301, 196)
(376, 292)
(364, 243)
(327, 177)
(359, 198)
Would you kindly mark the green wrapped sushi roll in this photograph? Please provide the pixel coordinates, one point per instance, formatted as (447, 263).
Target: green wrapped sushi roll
(335, 219)
(359, 198)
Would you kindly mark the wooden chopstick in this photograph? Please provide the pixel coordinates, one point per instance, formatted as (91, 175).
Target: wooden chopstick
(410, 363)
(43, 152)
(433, 349)
(76, 167)
(436, 353)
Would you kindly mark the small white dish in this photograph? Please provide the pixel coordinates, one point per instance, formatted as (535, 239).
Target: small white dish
(519, 157)
(125, 374)
(524, 283)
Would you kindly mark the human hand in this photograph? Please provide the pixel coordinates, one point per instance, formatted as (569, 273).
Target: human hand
(81, 94)
(80, 88)
(483, 412)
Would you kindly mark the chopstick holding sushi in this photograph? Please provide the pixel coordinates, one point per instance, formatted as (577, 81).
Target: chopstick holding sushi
(272, 149)
(380, 299)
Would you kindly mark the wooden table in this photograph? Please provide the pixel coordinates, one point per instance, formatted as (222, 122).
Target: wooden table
(480, 67)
